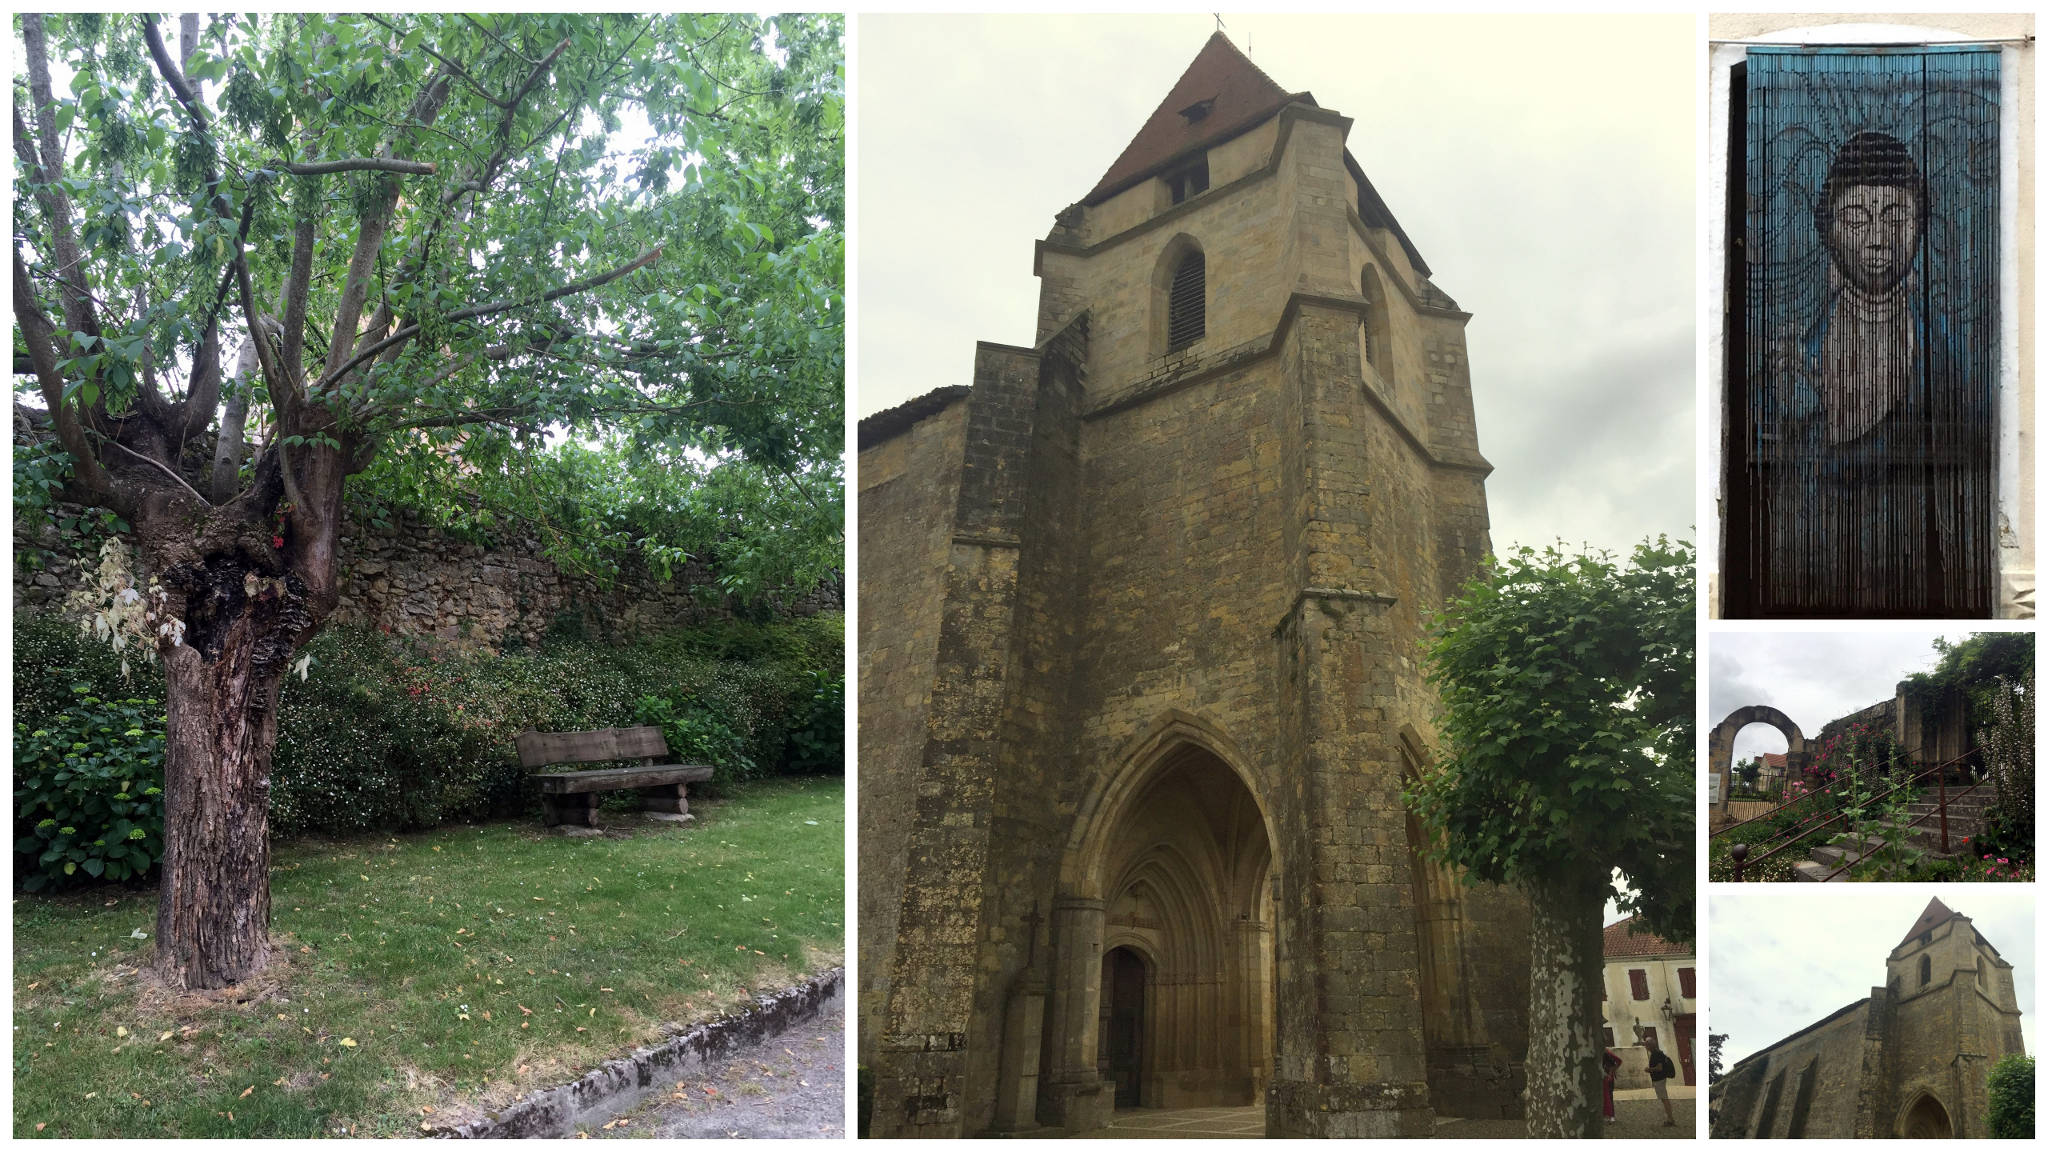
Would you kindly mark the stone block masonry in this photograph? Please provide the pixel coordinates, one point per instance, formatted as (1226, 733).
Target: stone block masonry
(412, 580)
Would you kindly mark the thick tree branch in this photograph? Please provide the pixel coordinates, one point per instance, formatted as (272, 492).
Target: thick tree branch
(41, 338)
(173, 76)
(160, 466)
(358, 164)
(477, 182)
(370, 236)
(79, 312)
(333, 378)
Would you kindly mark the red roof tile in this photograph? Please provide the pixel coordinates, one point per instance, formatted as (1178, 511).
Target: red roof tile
(1238, 96)
(1618, 942)
(1937, 913)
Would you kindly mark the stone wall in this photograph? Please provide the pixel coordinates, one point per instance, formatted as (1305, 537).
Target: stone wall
(412, 580)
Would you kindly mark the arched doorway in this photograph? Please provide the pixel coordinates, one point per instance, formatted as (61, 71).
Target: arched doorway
(1721, 746)
(1926, 1119)
(1171, 876)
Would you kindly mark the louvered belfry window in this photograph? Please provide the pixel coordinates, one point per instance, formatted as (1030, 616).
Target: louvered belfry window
(1863, 336)
(1184, 306)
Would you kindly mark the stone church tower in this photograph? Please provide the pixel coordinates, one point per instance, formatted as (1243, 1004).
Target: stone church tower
(1140, 616)
(1912, 1060)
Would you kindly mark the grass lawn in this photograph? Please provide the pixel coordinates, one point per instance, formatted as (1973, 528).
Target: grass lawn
(423, 977)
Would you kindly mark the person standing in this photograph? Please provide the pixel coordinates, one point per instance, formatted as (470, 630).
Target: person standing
(1661, 1071)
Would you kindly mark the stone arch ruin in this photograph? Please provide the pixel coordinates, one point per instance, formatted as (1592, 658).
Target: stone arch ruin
(1721, 745)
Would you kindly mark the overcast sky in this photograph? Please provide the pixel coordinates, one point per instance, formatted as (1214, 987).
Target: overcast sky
(1543, 166)
(1813, 677)
(1784, 955)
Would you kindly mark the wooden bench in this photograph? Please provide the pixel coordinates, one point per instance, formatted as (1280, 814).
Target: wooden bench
(571, 797)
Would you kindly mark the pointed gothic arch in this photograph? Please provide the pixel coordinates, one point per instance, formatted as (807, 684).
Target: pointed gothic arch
(1180, 296)
(1375, 334)
(1924, 1118)
(1171, 855)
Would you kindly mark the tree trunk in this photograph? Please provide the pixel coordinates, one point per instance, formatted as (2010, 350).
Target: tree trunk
(213, 915)
(1565, 965)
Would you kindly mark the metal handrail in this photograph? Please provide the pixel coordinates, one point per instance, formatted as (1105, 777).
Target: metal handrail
(1941, 809)
(1740, 852)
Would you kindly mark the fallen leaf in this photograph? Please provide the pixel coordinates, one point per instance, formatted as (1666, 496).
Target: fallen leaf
(524, 1010)
(346, 1042)
(245, 1092)
(426, 1109)
(610, 1124)
(32, 988)
(45, 1124)
(90, 1095)
(119, 1031)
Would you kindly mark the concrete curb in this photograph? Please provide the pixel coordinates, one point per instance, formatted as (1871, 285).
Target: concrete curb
(617, 1085)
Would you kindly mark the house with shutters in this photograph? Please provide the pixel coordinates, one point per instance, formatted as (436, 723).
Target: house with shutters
(1649, 991)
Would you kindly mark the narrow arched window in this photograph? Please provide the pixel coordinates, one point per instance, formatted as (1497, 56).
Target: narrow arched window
(1184, 303)
(1368, 289)
(1926, 970)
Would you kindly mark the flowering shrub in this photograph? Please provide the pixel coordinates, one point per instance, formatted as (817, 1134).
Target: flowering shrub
(88, 792)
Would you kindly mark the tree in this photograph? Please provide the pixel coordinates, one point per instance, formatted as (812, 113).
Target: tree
(2012, 1098)
(1566, 690)
(441, 242)
(1714, 1042)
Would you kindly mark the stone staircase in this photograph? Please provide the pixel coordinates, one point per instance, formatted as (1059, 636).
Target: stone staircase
(1966, 814)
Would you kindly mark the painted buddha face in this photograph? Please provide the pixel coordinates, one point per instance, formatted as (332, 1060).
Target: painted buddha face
(1873, 233)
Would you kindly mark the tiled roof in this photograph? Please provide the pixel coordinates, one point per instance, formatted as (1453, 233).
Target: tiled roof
(1937, 913)
(1232, 96)
(1618, 942)
(1238, 96)
(891, 421)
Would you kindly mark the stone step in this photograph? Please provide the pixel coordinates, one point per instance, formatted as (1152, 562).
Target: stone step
(1829, 857)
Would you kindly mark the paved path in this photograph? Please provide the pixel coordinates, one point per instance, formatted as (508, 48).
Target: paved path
(1638, 1116)
(1184, 1124)
(1637, 1119)
(792, 1086)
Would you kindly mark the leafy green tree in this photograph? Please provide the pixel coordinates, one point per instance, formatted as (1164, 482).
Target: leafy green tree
(514, 253)
(1715, 1041)
(2012, 1098)
(1566, 688)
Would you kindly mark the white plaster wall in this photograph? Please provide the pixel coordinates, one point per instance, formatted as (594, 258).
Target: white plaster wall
(2016, 469)
(1620, 1011)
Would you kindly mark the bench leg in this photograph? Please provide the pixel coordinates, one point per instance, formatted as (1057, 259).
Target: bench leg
(578, 809)
(666, 798)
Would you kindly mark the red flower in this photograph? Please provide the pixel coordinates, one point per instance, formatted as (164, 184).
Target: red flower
(277, 541)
